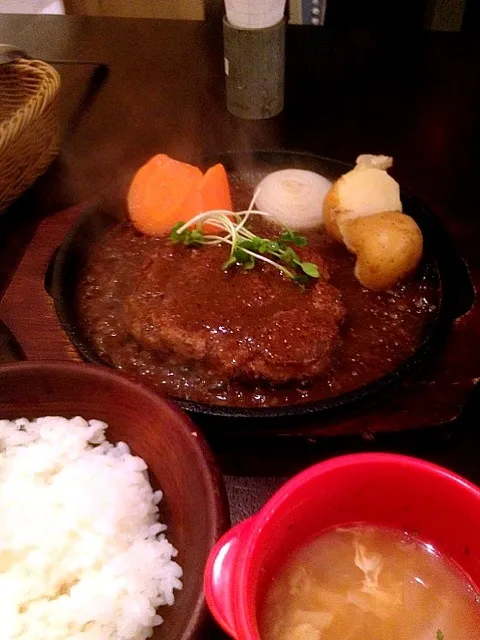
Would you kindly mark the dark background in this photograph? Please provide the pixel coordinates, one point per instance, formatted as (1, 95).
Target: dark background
(389, 13)
(471, 17)
(397, 14)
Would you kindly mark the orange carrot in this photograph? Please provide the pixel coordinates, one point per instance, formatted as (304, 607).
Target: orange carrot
(213, 192)
(165, 191)
(158, 193)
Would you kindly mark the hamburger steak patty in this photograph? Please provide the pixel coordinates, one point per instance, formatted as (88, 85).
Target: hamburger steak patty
(251, 325)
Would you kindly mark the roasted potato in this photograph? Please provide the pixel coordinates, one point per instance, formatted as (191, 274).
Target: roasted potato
(365, 190)
(388, 247)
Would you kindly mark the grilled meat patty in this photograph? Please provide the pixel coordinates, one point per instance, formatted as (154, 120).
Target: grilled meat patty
(251, 325)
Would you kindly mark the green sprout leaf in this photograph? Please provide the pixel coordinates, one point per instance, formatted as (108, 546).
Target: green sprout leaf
(246, 248)
(229, 263)
(289, 257)
(243, 258)
(181, 233)
(440, 635)
(194, 237)
(292, 236)
(271, 246)
(174, 235)
(310, 269)
(253, 244)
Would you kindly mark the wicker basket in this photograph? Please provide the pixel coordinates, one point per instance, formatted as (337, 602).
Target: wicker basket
(29, 127)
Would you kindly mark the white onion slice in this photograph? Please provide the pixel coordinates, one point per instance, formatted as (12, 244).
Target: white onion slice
(294, 197)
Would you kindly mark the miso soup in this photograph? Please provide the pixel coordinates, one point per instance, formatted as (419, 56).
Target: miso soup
(368, 583)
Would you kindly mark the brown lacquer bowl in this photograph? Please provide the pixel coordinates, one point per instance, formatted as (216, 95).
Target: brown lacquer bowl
(180, 463)
(441, 266)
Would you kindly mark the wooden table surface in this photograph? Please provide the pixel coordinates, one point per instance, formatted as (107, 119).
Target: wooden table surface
(415, 96)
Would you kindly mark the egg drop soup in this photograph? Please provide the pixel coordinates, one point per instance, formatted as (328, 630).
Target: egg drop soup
(368, 583)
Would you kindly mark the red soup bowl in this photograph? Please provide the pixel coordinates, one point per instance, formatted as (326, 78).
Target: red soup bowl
(386, 490)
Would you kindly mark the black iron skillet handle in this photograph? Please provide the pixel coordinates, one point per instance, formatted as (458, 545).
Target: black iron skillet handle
(10, 350)
(457, 287)
(470, 412)
(457, 284)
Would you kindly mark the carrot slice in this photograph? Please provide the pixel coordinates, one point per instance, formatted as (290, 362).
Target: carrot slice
(213, 192)
(159, 192)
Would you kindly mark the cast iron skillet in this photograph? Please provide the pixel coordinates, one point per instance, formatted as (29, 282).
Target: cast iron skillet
(441, 265)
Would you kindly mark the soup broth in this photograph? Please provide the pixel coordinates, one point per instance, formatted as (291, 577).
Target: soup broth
(368, 583)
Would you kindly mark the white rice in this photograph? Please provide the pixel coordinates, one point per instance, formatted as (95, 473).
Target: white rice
(82, 554)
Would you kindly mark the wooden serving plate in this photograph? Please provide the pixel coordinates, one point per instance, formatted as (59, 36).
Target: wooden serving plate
(435, 397)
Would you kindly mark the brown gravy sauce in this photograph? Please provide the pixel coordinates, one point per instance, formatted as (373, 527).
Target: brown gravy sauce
(381, 330)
